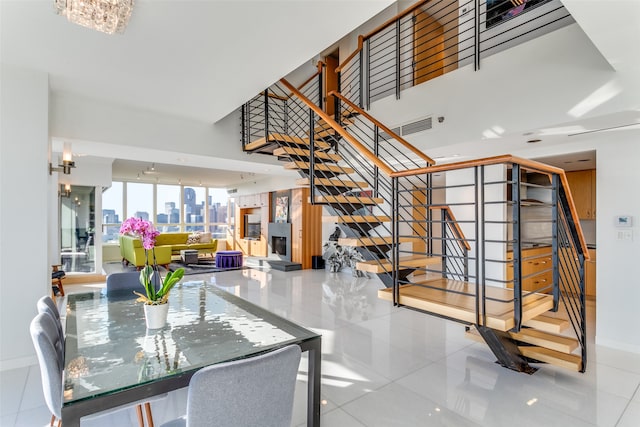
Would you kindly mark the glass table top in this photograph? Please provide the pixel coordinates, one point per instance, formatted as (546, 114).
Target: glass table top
(108, 347)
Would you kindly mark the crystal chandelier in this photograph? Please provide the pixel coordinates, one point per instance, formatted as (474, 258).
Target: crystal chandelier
(108, 16)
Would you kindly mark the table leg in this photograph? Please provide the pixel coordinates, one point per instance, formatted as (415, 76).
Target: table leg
(313, 383)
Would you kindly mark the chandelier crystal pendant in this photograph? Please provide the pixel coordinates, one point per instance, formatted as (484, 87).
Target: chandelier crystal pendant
(108, 16)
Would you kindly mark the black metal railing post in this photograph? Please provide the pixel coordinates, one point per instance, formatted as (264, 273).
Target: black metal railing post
(517, 246)
(476, 38)
(321, 100)
(367, 73)
(480, 309)
(376, 149)
(337, 105)
(243, 115)
(312, 157)
(555, 181)
(443, 248)
(397, 58)
(395, 239)
(266, 115)
(429, 213)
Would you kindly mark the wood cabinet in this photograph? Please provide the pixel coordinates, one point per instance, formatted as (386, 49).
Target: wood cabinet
(583, 190)
(250, 204)
(537, 269)
(590, 274)
(306, 228)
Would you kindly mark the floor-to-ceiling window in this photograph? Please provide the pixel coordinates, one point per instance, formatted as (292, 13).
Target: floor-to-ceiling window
(170, 207)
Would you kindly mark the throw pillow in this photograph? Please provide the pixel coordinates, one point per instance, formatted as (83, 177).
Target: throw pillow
(193, 238)
(205, 237)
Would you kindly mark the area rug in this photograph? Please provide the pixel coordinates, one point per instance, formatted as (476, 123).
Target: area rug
(189, 269)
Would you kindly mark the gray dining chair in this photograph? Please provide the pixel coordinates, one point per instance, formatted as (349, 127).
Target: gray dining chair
(129, 280)
(45, 336)
(47, 305)
(257, 391)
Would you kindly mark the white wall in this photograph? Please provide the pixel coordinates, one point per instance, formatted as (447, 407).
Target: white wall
(24, 208)
(555, 79)
(618, 269)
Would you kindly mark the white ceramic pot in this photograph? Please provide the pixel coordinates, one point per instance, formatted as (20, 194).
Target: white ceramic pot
(156, 315)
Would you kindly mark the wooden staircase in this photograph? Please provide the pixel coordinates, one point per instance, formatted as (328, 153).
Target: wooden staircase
(539, 345)
(359, 212)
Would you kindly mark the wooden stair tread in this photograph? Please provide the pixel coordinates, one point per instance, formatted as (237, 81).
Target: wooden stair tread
(368, 241)
(328, 182)
(555, 325)
(500, 316)
(297, 164)
(300, 152)
(351, 219)
(568, 361)
(321, 124)
(279, 137)
(545, 339)
(384, 265)
(538, 338)
(355, 200)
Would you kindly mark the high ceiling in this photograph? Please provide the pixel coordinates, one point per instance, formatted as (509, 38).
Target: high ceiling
(194, 59)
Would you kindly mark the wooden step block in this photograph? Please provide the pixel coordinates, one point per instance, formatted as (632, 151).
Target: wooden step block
(322, 125)
(283, 138)
(568, 361)
(325, 134)
(299, 152)
(354, 200)
(298, 164)
(327, 182)
(351, 219)
(384, 266)
(545, 339)
(364, 242)
(461, 304)
(555, 325)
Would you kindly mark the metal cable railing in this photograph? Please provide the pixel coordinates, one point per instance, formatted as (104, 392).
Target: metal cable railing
(520, 232)
(434, 37)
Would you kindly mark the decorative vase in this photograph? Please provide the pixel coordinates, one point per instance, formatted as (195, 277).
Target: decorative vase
(156, 315)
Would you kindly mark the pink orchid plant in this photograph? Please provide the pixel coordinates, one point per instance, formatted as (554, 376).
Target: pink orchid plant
(147, 233)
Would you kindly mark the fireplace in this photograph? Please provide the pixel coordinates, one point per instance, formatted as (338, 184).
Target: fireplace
(279, 239)
(279, 245)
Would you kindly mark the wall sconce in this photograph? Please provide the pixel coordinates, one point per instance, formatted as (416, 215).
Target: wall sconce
(66, 192)
(67, 161)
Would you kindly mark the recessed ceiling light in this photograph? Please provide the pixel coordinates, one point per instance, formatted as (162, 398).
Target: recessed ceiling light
(533, 141)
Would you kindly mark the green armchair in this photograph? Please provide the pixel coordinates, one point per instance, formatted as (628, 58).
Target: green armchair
(133, 253)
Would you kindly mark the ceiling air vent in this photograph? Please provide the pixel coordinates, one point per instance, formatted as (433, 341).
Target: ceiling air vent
(385, 136)
(417, 126)
(232, 190)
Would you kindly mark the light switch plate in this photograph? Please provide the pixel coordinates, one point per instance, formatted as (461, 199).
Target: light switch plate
(625, 234)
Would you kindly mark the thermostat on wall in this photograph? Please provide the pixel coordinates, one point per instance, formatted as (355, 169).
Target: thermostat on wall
(624, 221)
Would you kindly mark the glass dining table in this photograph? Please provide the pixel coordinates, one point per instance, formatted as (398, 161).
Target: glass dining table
(111, 359)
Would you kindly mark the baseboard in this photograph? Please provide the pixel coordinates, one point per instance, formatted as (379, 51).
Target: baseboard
(618, 345)
(20, 362)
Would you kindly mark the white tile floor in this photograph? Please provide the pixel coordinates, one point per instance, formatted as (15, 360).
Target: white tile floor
(386, 366)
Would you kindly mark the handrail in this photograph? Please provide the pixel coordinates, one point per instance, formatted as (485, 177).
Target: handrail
(458, 230)
(507, 158)
(402, 141)
(395, 18)
(313, 76)
(346, 135)
(362, 38)
(353, 54)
